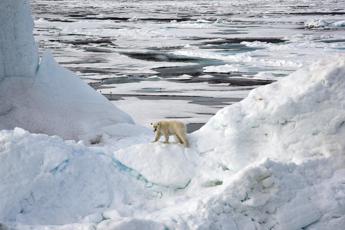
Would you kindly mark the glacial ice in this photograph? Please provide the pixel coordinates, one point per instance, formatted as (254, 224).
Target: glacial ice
(18, 51)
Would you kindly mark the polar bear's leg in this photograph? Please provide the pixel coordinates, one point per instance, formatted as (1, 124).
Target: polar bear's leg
(166, 138)
(182, 138)
(158, 135)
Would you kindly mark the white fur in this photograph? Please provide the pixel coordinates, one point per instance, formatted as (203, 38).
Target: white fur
(168, 128)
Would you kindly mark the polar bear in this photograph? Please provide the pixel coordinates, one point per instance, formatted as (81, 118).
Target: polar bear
(168, 128)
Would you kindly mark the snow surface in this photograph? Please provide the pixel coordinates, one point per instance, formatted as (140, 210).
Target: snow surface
(302, 114)
(54, 182)
(178, 162)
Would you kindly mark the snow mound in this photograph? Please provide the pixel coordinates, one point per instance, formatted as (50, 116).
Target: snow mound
(169, 165)
(296, 118)
(45, 180)
(44, 97)
(275, 195)
(57, 102)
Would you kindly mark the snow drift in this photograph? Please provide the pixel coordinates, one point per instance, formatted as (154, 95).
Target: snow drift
(275, 195)
(299, 117)
(48, 181)
(166, 165)
(44, 97)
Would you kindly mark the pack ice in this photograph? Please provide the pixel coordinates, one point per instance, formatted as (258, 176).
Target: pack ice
(272, 161)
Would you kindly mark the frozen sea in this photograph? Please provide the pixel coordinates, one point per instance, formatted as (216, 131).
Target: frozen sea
(186, 59)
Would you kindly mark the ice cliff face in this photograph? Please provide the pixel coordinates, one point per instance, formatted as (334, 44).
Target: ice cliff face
(18, 52)
(44, 97)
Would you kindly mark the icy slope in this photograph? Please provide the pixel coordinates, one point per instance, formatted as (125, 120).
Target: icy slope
(167, 165)
(273, 195)
(45, 180)
(299, 117)
(58, 102)
(45, 97)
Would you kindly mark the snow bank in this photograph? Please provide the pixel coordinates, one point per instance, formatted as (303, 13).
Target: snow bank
(45, 180)
(50, 99)
(168, 165)
(299, 117)
(58, 102)
(275, 195)
(18, 52)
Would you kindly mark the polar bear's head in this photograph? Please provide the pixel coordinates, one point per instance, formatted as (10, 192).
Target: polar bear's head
(156, 126)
